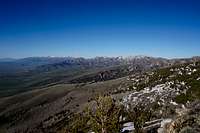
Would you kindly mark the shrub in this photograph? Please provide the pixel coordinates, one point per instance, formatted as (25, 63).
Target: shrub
(139, 115)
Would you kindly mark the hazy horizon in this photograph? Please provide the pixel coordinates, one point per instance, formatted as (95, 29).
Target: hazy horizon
(12, 58)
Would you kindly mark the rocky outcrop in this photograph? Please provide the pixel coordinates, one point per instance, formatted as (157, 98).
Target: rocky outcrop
(188, 120)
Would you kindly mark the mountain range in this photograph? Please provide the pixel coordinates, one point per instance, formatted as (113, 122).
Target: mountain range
(42, 94)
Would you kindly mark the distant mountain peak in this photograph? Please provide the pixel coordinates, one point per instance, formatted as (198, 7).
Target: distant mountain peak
(136, 57)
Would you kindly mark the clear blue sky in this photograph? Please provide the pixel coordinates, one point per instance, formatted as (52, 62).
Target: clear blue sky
(88, 28)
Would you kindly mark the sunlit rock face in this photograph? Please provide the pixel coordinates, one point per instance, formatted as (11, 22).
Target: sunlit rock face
(162, 94)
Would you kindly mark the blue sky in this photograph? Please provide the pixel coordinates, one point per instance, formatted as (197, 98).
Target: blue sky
(89, 28)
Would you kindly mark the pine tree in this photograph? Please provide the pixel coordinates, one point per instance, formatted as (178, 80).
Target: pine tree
(105, 116)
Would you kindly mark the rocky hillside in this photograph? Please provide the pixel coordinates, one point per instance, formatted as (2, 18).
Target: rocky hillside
(169, 93)
(163, 101)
